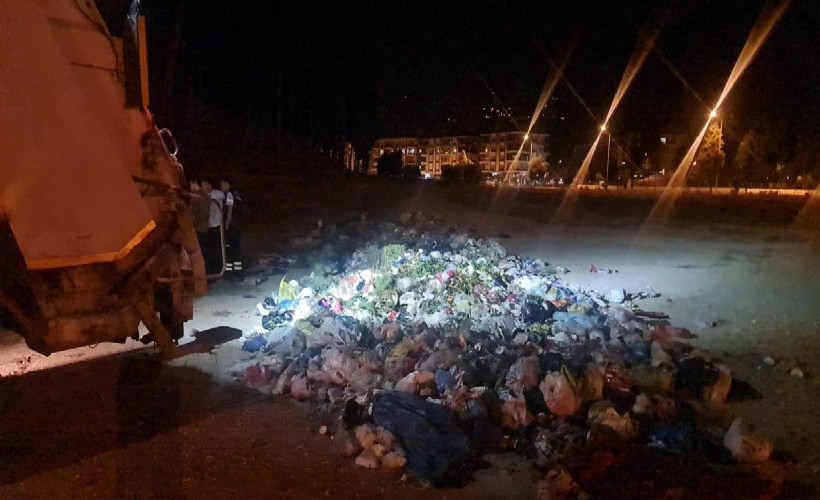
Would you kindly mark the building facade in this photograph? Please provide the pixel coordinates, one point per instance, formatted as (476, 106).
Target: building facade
(670, 150)
(409, 147)
(493, 152)
(440, 151)
(511, 151)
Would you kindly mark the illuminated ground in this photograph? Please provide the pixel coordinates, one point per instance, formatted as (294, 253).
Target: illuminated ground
(115, 426)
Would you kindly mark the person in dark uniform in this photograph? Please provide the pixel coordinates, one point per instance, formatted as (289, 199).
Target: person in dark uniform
(233, 230)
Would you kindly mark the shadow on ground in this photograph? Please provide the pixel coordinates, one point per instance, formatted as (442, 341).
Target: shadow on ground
(55, 417)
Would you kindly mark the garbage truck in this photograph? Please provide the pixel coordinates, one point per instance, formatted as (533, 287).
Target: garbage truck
(95, 233)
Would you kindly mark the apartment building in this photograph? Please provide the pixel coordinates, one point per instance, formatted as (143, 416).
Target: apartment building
(670, 150)
(440, 151)
(498, 151)
(494, 152)
(409, 147)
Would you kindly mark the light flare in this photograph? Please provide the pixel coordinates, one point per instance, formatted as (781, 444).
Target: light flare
(543, 99)
(571, 196)
(663, 208)
(636, 60)
(581, 176)
(634, 65)
(580, 99)
(546, 92)
(665, 60)
(548, 89)
(769, 16)
(766, 20)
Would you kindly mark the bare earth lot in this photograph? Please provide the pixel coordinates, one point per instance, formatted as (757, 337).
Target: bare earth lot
(732, 269)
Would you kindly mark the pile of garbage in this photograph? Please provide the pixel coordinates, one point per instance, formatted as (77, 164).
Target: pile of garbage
(440, 348)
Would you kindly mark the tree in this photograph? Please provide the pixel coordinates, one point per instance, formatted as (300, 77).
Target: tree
(805, 158)
(450, 173)
(464, 170)
(463, 160)
(748, 162)
(757, 156)
(471, 174)
(538, 168)
(710, 159)
(411, 172)
(390, 164)
(806, 161)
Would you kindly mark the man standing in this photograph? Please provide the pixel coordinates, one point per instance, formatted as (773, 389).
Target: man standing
(213, 240)
(233, 235)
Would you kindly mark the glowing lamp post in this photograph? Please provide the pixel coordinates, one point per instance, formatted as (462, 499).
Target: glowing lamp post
(713, 114)
(529, 161)
(608, 144)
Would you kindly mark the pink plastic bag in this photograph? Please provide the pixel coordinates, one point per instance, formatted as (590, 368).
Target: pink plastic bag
(559, 395)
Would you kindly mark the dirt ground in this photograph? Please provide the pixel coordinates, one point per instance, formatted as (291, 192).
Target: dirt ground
(110, 422)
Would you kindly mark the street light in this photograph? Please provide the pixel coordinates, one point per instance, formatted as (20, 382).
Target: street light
(608, 144)
(527, 138)
(713, 114)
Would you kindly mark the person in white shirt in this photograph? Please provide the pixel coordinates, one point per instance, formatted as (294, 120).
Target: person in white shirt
(213, 240)
(215, 214)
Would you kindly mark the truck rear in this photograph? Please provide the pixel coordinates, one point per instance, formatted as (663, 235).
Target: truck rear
(95, 233)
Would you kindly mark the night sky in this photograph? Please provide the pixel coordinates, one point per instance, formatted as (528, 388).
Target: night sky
(361, 70)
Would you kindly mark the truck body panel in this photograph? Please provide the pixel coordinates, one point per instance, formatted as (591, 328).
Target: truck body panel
(95, 235)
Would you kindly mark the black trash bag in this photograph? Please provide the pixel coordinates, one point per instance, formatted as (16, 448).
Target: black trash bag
(535, 401)
(481, 371)
(366, 338)
(533, 310)
(270, 322)
(435, 446)
(693, 373)
(486, 415)
(550, 362)
(354, 414)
